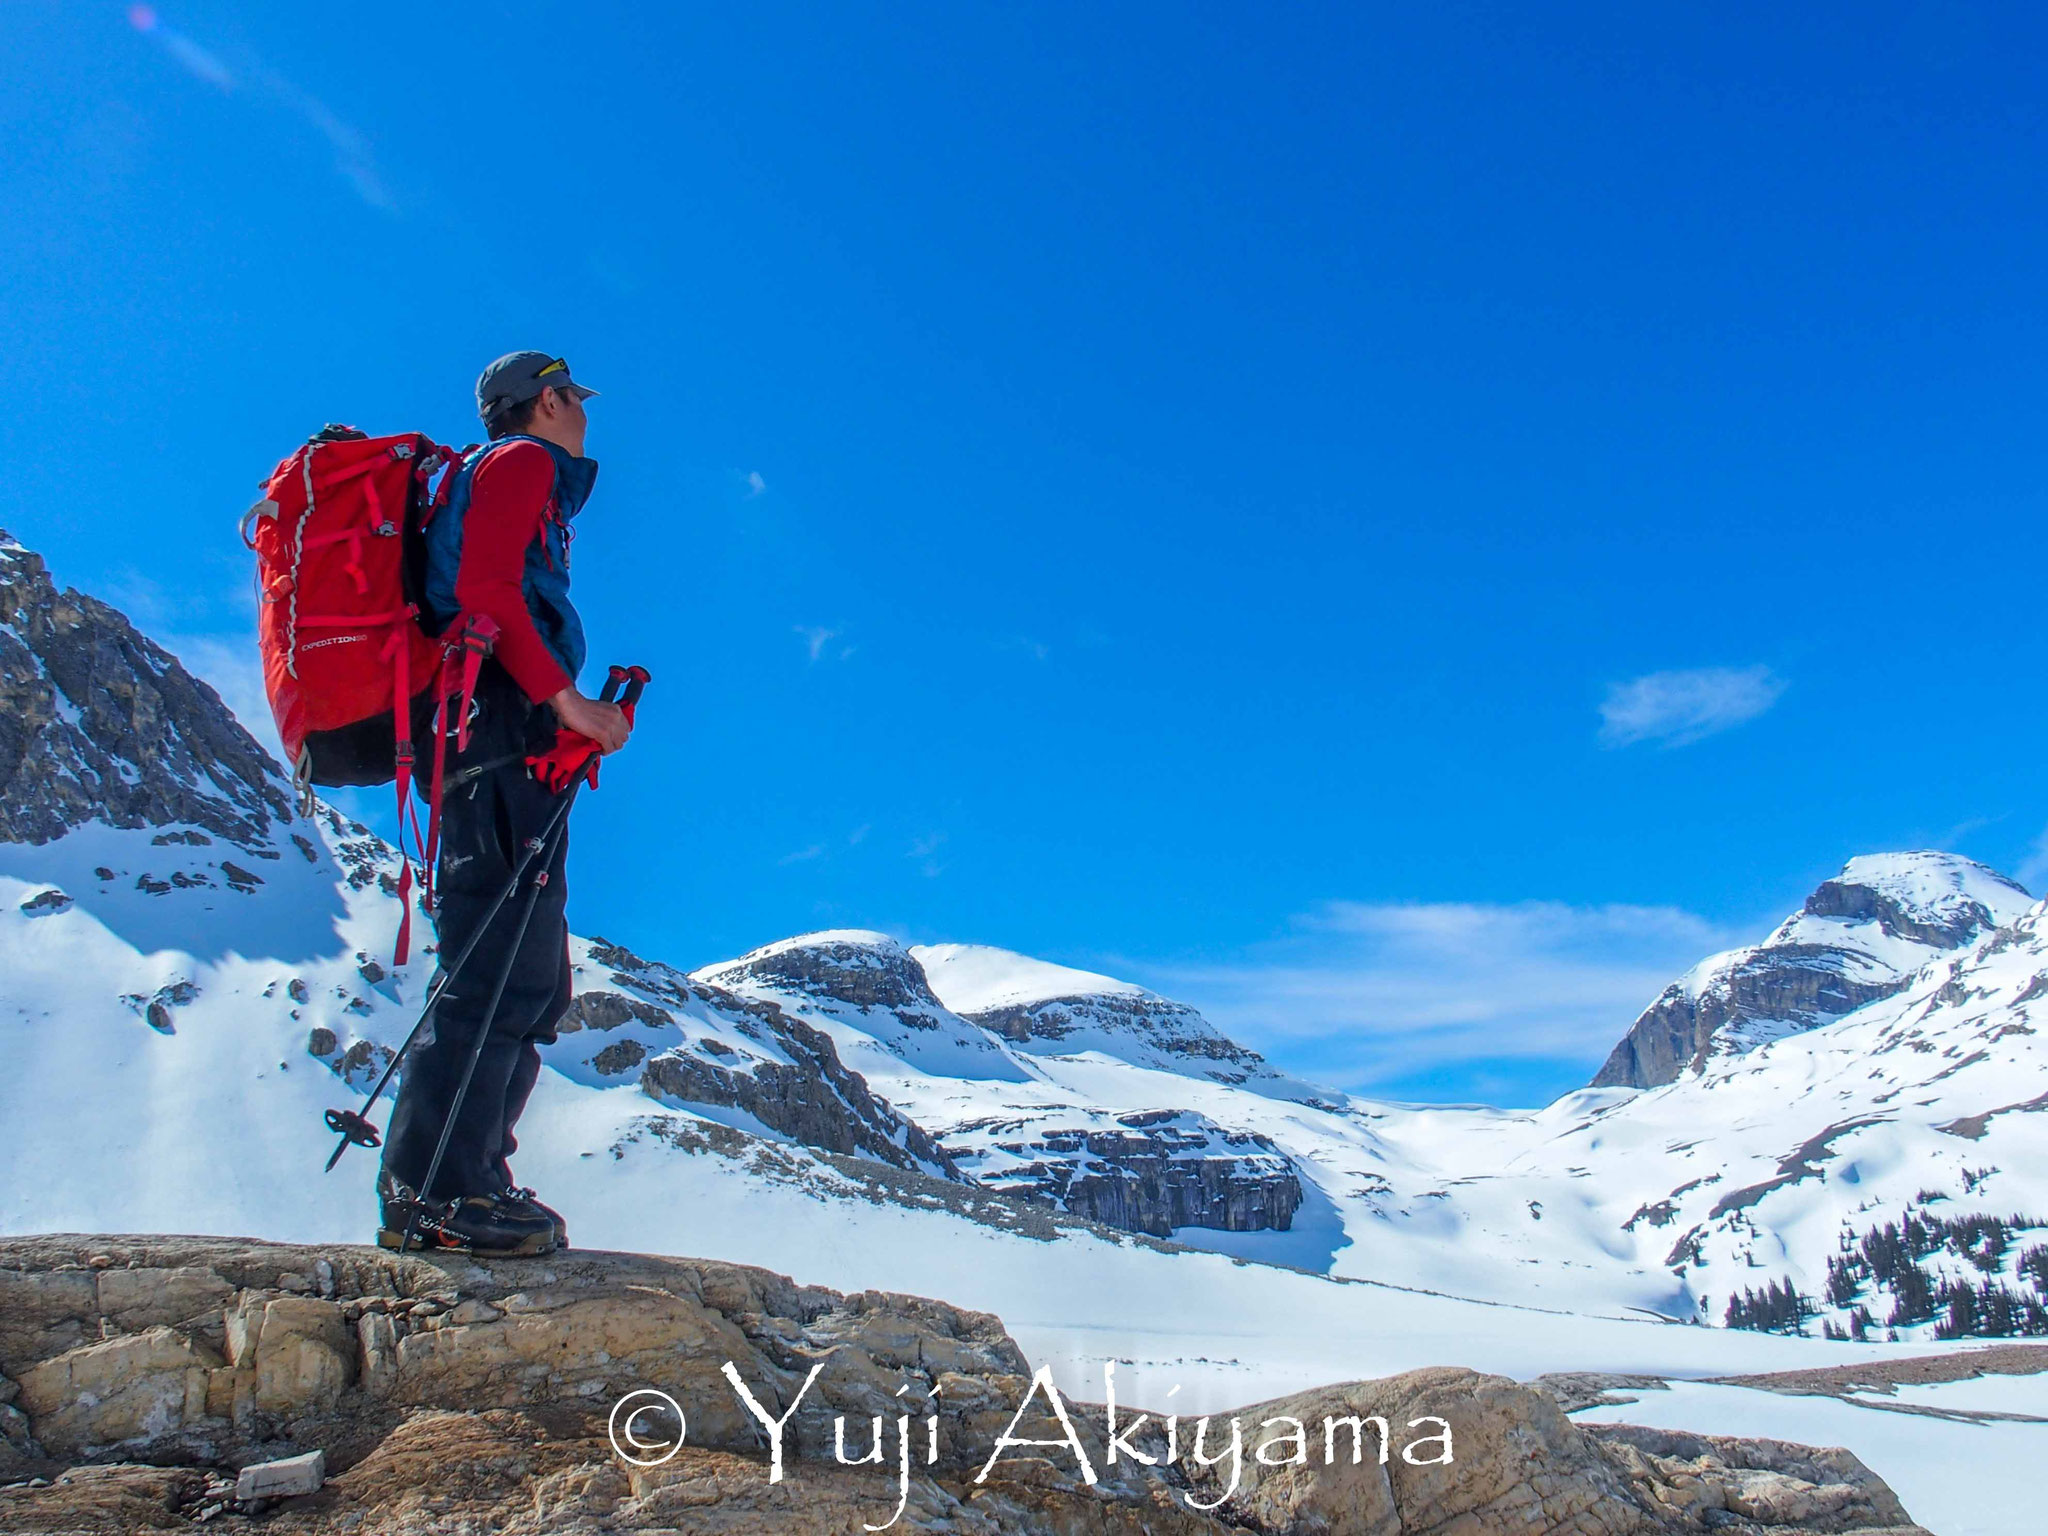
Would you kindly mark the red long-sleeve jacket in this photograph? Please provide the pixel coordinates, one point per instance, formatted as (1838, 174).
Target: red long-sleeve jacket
(508, 499)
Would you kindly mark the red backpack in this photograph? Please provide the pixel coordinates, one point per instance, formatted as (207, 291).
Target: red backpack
(348, 669)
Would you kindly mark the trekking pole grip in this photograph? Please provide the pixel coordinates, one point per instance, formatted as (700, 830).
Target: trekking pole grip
(637, 678)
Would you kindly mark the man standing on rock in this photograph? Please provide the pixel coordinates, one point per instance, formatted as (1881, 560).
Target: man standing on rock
(499, 549)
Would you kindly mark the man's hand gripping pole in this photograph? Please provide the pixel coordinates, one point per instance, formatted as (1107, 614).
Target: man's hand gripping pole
(352, 1125)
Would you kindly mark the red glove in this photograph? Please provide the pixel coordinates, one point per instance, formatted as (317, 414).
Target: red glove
(573, 756)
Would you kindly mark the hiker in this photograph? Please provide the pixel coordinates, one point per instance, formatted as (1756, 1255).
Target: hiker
(499, 549)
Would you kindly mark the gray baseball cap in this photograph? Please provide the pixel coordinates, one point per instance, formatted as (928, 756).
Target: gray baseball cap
(518, 377)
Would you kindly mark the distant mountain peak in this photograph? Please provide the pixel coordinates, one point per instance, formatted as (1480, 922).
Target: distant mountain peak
(856, 966)
(1924, 897)
(1858, 938)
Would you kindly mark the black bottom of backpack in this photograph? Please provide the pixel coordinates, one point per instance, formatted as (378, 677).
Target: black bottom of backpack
(365, 751)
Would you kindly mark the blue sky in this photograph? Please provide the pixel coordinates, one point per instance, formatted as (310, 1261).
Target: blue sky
(1403, 526)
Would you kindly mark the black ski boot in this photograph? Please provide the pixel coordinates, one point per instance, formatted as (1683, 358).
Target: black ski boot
(488, 1226)
(524, 1199)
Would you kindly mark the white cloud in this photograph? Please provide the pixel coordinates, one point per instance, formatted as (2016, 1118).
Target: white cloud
(803, 855)
(352, 157)
(351, 150)
(925, 849)
(1037, 650)
(1360, 993)
(854, 837)
(755, 484)
(1678, 708)
(816, 638)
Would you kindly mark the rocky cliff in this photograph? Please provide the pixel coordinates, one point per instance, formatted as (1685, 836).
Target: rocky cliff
(1143, 1168)
(1857, 940)
(451, 1396)
(763, 1062)
(99, 723)
(1148, 1171)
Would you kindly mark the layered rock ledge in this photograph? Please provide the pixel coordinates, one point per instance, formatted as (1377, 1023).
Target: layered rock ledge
(450, 1395)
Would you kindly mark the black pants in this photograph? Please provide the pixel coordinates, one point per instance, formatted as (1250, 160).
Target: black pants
(486, 823)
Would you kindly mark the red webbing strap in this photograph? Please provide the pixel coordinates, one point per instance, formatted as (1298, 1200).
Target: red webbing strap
(479, 639)
(327, 480)
(353, 620)
(431, 850)
(398, 649)
(479, 636)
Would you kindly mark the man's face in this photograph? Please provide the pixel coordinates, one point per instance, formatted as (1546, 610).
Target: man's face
(566, 412)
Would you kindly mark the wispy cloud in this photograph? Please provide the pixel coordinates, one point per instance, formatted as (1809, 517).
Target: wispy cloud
(818, 640)
(858, 834)
(803, 855)
(1679, 708)
(1037, 650)
(925, 849)
(755, 484)
(352, 156)
(197, 61)
(1364, 994)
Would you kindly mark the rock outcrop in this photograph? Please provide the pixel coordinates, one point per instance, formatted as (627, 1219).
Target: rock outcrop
(99, 723)
(455, 1396)
(869, 981)
(1858, 939)
(1146, 1171)
(780, 1071)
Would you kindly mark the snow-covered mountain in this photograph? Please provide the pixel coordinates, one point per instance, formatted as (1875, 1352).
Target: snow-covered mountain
(192, 969)
(1054, 1010)
(1085, 1128)
(1858, 939)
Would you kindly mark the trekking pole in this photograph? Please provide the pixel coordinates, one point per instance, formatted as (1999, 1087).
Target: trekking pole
(354, 1126)
(483, 1029)
(635, 679)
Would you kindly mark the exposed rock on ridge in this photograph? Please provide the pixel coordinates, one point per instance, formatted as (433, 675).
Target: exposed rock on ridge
(807, 1094)
(99, 723)
(1148, 1171)
(1055, 1010)
(1858, 939)
(861, 969)
(1169, 1028)
(455, 1396)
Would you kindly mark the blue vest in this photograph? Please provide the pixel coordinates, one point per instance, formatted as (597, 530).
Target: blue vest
(546, 578)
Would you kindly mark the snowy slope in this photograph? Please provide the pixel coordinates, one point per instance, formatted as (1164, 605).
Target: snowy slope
(1054, 1010)
(204, 1114)
(1855, 941)
(214, 1126)
(1667, 1202)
